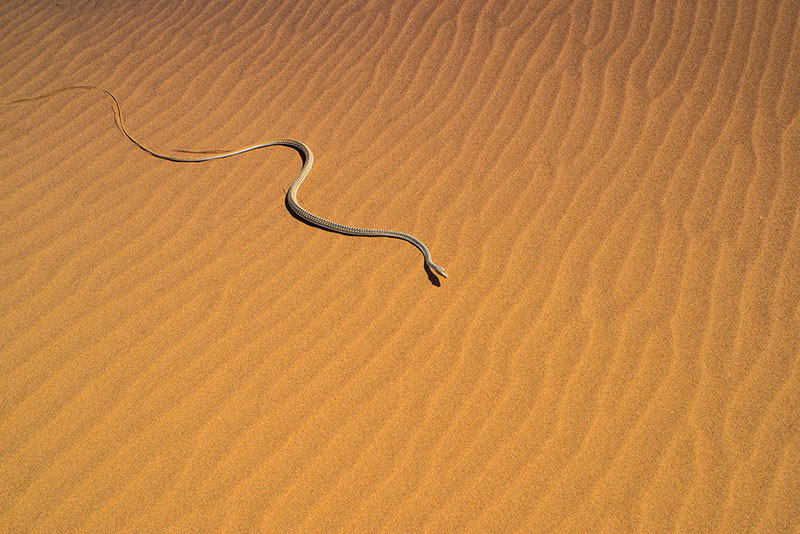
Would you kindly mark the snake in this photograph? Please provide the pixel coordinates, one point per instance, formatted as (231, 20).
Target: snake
(308, 160)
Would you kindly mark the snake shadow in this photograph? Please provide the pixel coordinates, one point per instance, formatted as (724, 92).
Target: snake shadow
(432, 278)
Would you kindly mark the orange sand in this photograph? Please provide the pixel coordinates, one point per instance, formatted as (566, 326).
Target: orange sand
(612, 185)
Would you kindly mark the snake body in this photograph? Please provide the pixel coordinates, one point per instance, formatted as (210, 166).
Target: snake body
(294, 204)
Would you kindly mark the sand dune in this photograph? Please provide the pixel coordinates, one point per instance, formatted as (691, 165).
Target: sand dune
(612, 187)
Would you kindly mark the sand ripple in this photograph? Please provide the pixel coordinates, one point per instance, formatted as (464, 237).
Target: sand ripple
(613, 187)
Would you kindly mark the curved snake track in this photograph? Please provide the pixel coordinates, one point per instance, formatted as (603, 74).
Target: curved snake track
(308, 161)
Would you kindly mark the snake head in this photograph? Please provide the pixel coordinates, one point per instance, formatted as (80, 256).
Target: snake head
(440, 271)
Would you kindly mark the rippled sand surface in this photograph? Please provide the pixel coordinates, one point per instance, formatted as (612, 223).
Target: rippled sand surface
(613, 187)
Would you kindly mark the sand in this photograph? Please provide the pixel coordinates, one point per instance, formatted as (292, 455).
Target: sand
(612, 187)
